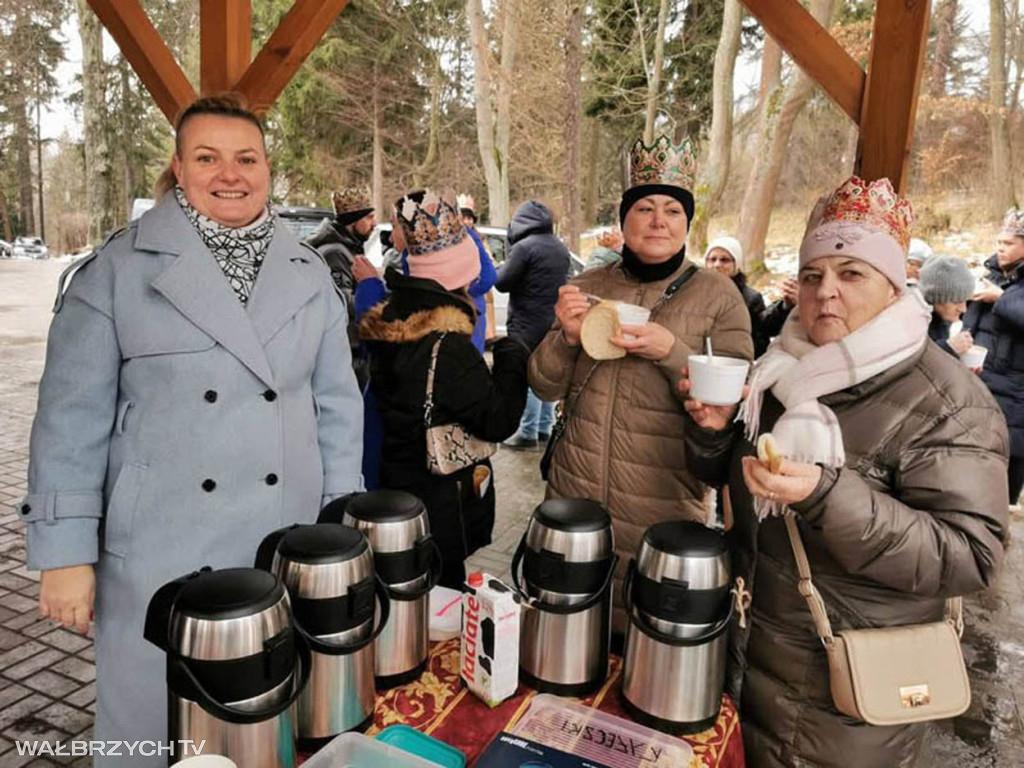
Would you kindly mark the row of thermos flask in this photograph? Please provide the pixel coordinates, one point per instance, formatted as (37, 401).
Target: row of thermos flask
(676, 596)
(286, 655)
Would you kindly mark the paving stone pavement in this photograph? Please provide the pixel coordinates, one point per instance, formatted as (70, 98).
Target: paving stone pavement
(47, 674)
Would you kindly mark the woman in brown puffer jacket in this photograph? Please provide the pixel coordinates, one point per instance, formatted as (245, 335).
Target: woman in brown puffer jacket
(623, 444)
(895, 472)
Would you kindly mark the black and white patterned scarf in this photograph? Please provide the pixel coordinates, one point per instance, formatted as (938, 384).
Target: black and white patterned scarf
(238, 250)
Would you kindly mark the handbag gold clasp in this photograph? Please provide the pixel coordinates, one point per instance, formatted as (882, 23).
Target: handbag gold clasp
(912, 696)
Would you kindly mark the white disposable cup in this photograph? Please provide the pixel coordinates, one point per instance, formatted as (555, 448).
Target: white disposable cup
(974, 356)
(719, 382)
(206, 761)
(631, 314)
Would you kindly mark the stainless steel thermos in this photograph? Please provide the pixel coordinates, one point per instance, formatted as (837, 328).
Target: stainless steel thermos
(566, 558)
(408, 561)
(234, 663)
(676, 595)
(328, 571)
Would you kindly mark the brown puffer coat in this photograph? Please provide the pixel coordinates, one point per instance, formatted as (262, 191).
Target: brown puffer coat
(917, 514)
(623, 446)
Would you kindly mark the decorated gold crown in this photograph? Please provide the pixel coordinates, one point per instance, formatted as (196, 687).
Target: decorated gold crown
(873, 204)
(663, 163)
(430, 225)
(1013, 222)
(351, 199)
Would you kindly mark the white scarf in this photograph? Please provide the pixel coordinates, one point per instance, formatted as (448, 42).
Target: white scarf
(798, 372)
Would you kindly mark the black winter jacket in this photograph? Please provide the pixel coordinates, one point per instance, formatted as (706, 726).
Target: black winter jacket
(339, 247)
(400, 335)
(755, 306)
(999, 327)
(537, 266)
(938, 331)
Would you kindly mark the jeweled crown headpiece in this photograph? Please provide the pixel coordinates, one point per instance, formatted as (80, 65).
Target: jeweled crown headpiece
(663, 163)
(430, 225)
(352, 199)
(1013, 222)
(872, 204)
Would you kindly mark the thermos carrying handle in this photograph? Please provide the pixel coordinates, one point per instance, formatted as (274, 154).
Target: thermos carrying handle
(334, 511)
(655, 634)
(230, 714)
(427, 552)
(268, 548)
(318, 645)
(158, 614)
(533, 602)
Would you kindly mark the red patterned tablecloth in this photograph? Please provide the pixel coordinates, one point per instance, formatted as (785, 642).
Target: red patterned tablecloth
(438, 704)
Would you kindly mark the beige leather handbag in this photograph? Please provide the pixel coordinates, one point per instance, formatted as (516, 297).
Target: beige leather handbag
(891, 675)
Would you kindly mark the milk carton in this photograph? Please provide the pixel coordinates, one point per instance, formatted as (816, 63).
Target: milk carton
(489, 658)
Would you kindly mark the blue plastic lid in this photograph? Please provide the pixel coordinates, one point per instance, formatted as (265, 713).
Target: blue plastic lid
(409, 739)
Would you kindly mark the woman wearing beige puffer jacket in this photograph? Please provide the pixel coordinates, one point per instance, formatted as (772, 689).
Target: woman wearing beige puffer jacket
(623, 445)
(894, 472)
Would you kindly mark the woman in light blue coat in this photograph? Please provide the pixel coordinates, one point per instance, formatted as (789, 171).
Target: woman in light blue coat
(198, 394)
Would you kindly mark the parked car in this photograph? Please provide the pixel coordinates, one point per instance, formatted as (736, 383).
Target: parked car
(6, 250)
(302, 221)
(497, 242)
(30, 248)
(139, 206)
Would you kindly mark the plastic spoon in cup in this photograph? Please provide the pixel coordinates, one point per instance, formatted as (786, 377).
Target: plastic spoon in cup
(707, 346)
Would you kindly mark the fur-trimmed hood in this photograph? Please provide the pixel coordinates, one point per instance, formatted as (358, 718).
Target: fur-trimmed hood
(418, 325)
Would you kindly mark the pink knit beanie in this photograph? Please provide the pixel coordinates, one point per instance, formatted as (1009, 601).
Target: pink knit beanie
(865, 221)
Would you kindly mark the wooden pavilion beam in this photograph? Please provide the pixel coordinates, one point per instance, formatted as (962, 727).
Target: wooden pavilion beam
(225, 42)
(294, 39)
(814, 50)
(146, 51)
(894, 83)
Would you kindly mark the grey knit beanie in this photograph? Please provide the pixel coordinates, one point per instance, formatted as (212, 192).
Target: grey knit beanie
(946, 280)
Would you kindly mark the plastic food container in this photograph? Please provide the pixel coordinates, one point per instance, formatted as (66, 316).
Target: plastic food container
(632, 314)
(353, 750)
(445, 613)
(974, 356)
(594, 735)
(719, 382)
(409, 739)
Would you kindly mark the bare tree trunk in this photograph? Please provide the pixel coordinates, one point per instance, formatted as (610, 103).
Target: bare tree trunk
(5, 216)
(594, 145)
(777, 125)
(23, 148)
(377, 182)
(423, 171)
(654, 80)
(573, 107)
(127, 133)
(493, 96)
(1002, 192)
(942, 53)
(97, 149)
(716, 172)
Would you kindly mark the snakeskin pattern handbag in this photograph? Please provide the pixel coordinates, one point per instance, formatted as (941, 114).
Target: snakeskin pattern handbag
(450, 447)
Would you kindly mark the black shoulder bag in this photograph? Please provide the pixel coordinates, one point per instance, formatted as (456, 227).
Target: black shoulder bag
(564, 412)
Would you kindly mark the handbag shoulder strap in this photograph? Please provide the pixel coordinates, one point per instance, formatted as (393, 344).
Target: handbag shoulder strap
(428, 403)
(954, 605)
(675, 285)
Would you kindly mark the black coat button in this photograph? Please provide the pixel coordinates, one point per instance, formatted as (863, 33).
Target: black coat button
(271, 479)
(270, 395)
(211, 396)
(209, 485)
(26, 508)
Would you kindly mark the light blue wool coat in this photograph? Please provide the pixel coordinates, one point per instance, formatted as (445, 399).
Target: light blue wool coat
(176, 427)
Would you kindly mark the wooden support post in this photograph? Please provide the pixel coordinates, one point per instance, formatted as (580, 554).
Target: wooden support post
(225, 41)
(146, 51)
(289, 45)
(814, 50)
(894, 82)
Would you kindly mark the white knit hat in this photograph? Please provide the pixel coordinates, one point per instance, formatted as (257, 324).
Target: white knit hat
(729, 244)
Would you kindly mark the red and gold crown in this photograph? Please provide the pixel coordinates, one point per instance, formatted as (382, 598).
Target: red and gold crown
(872, 204)
(430, 225)
(663, 162)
